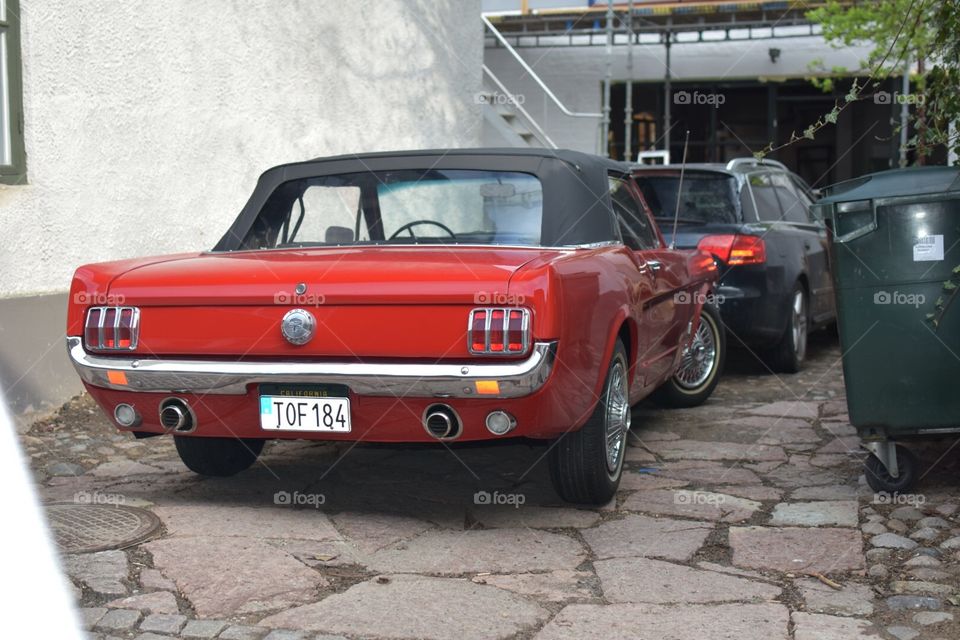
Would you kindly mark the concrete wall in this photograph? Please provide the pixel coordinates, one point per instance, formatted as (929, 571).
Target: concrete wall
(147, 123)
(575, 74)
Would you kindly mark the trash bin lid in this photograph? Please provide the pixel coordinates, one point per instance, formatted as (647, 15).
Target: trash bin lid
(895, 182)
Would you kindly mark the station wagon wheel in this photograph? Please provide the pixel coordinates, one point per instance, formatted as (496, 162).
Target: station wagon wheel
(586, 465)
(700, 365)
(788, 355)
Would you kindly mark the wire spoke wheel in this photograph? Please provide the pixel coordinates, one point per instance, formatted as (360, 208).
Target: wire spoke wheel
(617, 416)
(698, 359)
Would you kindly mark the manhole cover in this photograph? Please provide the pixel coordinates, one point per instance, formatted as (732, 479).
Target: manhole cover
(82, 528)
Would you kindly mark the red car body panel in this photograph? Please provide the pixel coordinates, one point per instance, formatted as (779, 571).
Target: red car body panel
(399, 304)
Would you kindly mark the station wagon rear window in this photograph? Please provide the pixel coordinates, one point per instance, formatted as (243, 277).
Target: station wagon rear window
(409, 206)
(707, 197)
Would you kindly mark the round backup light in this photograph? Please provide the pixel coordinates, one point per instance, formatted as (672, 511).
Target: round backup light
(500, 422)
(126, 415)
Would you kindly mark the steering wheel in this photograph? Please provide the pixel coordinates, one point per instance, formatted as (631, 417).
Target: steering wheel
(410, 225)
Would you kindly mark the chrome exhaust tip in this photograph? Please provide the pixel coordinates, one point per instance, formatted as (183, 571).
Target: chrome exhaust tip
(442, 422)
(176, 415)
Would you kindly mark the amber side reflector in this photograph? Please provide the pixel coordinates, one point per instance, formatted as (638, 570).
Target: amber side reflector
(117, 377)
(488, 387)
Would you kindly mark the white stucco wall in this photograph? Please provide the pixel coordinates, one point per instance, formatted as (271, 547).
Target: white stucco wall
(575, 74)
(147, 123)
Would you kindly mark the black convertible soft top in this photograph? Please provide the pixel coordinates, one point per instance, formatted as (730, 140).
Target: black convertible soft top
(576, 201)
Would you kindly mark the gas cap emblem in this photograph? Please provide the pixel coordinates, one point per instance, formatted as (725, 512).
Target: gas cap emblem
(298, 326)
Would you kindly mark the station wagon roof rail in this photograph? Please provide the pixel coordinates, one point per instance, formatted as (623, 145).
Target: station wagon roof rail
(753, 162)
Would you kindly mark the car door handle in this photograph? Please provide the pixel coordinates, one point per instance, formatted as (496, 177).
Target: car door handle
(655, 265)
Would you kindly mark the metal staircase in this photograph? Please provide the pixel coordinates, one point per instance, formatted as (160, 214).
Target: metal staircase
(504, 113)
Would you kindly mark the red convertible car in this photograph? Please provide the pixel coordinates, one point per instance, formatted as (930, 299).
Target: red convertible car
(409, 297)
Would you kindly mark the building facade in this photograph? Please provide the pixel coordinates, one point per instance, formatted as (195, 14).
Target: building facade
(145, 126)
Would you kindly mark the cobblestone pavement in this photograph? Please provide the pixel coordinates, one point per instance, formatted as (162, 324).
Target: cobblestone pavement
(745, 518)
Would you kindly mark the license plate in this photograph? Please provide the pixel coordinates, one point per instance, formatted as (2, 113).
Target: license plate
(293, 413)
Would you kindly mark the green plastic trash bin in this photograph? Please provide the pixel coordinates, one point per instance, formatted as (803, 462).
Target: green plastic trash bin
(895, 260)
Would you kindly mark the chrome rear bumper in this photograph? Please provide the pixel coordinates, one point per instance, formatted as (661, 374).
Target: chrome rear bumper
(515, 379)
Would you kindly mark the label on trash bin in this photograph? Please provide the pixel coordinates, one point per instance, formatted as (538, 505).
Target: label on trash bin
(928, 248)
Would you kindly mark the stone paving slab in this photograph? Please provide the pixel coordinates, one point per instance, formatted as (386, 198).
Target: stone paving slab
(416, 607)
(792, 549)
(491, 550)
(678, 622)
(701, 450)
(659, 582)
(205, 519)
(637, 535)
(702, 505)
(714, 474)
(788, 409)
(104, 572)
(852, 599)
(503, 517)
(156, 602)
(223, 578)
(814, 626)
(553, 586)
(842, 513)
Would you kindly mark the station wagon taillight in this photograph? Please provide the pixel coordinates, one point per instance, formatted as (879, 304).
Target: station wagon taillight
(735, 249)
(499, 330)
(112, 328)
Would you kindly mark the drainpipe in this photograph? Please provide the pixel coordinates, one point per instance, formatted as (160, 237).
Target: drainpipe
(608, 77)
(628, 110)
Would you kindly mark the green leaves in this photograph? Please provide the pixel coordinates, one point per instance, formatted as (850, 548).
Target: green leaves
(950, 288)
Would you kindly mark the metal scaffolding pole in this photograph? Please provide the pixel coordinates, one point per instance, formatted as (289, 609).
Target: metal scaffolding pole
(608, 78)
(904, 113)
(667, 97)
(628, 109)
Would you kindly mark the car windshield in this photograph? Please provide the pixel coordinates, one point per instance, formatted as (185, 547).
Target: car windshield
(402, 207)
(706, 198)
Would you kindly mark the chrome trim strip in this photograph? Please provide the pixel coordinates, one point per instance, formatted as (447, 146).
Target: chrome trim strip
(516, 379)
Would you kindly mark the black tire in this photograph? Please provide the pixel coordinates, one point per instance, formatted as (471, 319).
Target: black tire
(788, 355)
(578, 460)
(680, 391)
(217, 456)
(880, 479)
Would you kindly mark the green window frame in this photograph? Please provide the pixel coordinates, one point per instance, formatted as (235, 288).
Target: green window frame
(13, 157)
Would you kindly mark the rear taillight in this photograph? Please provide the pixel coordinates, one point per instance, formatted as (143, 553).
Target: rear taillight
(735, 249)
(497, 331)
(112, 328)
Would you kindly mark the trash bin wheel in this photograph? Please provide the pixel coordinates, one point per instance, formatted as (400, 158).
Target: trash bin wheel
(879, 478)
